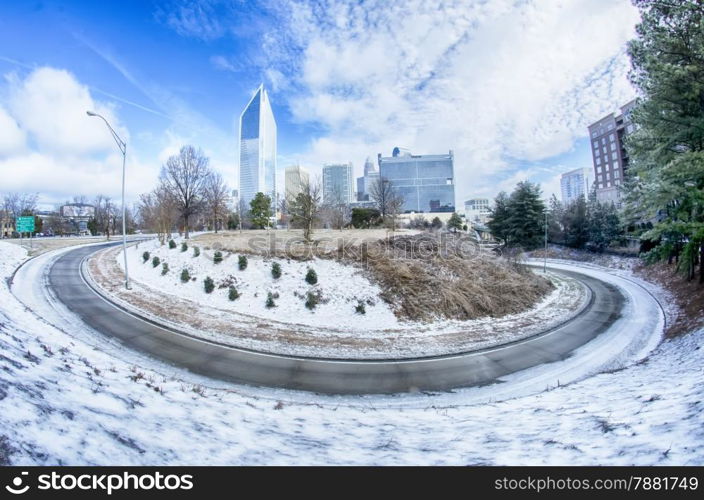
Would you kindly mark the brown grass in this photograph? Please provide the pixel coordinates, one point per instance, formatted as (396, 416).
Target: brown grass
(424, 279)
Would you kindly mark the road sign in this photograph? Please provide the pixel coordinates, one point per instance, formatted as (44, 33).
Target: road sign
(25, 224)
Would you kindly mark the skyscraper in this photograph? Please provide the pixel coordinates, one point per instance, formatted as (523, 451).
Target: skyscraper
(572, 185)
(426, 182)
(257, 148)
(609, 154)
(365, 182)
(338, 183)
(295, 178)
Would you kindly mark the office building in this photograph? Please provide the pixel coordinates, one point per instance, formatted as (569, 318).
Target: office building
(477, 211)
(257, 148)
(609, 155)
(573, 185)
(295, 178)
(364, 183)
(338, 184)
(425, 182)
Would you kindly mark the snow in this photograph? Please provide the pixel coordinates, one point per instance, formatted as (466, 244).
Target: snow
(69, 396)
(291, 328)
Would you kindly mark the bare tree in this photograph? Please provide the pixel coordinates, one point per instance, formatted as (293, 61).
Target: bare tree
(305, 209)
(284, 208)
(387, 200)
(105, 213)
(17, 204)
(184, 176)
(337, 210)
(216, 198)
(158, 212)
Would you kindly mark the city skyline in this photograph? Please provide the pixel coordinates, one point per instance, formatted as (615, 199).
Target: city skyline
(506, 100)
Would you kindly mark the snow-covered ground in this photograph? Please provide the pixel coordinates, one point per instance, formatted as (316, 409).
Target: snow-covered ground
(332, 330)
(69, 396)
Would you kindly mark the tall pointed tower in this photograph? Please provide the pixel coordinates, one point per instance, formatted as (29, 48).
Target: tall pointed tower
(257, 148)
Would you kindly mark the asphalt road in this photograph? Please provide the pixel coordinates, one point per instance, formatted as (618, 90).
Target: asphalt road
(332, 376)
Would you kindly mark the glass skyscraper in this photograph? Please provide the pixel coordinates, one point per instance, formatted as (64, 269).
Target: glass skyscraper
(426, 182)
(257, 148)
(338, 183)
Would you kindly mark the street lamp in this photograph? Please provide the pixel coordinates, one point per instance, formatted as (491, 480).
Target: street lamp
(122, 145)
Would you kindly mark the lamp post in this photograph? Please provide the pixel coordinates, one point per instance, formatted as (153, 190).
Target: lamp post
(122, 145)
(545, 251)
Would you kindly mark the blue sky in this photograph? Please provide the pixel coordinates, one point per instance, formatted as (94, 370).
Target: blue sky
(508, 85)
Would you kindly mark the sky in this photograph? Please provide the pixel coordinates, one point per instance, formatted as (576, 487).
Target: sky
(509, 85)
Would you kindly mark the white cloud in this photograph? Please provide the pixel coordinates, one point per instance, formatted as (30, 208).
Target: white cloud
(13, 139)
(50, 146)
(500, 82)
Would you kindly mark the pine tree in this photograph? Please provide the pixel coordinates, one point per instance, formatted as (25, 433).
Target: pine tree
(260, 210)
(455, 222)
(667, 148)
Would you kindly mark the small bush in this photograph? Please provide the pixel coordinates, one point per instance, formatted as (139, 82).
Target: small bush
(312, 300)
(185, 276)
(184, 246)
(208, 285)
(164, 268)
(270, 301)
(311, 276)
(172, 244)
(196, 251)
(242, 262)
(156, 261)
(145, 257)
(233, 294)
(276, 270)
(217, 257)
(359, 308)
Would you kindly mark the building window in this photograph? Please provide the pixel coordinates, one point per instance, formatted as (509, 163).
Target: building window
(614, 155)
(598, 170)
(595, 144)
(603, 140)
(617, 174)
(603, 150)
(598, 160)
(612, 138)
(613, 146)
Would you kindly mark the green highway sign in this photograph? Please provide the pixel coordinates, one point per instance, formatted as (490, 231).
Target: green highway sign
(25, 224)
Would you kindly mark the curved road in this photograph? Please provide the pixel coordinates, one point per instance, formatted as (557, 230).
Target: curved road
(476, 368)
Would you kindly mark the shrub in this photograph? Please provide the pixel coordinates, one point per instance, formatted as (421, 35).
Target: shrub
(270, 301)
(185, 276)
(156, 261)
(184, 246)
(217, 257)
(359, 308)
(233, 294)
(208, 284)
(242, 262)
(276, 270)
(196, 251)
(164, 268)
(312, 300)
(172, 244)
(311, 276)
(145, 257)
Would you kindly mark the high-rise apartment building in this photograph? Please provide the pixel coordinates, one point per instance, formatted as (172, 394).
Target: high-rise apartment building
(257, 148)
(609, 154)
(295, 178)
(573, 185)
(426, 182)
(338, 183)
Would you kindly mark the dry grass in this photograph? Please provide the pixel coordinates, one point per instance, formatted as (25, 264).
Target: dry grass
(42, 245)
(424, 278)
(287, 242)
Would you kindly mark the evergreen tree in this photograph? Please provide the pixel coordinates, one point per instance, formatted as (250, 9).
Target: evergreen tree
(667, 148)
(575, 223)
(260, 210)
(498, 224)
(455, 222)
